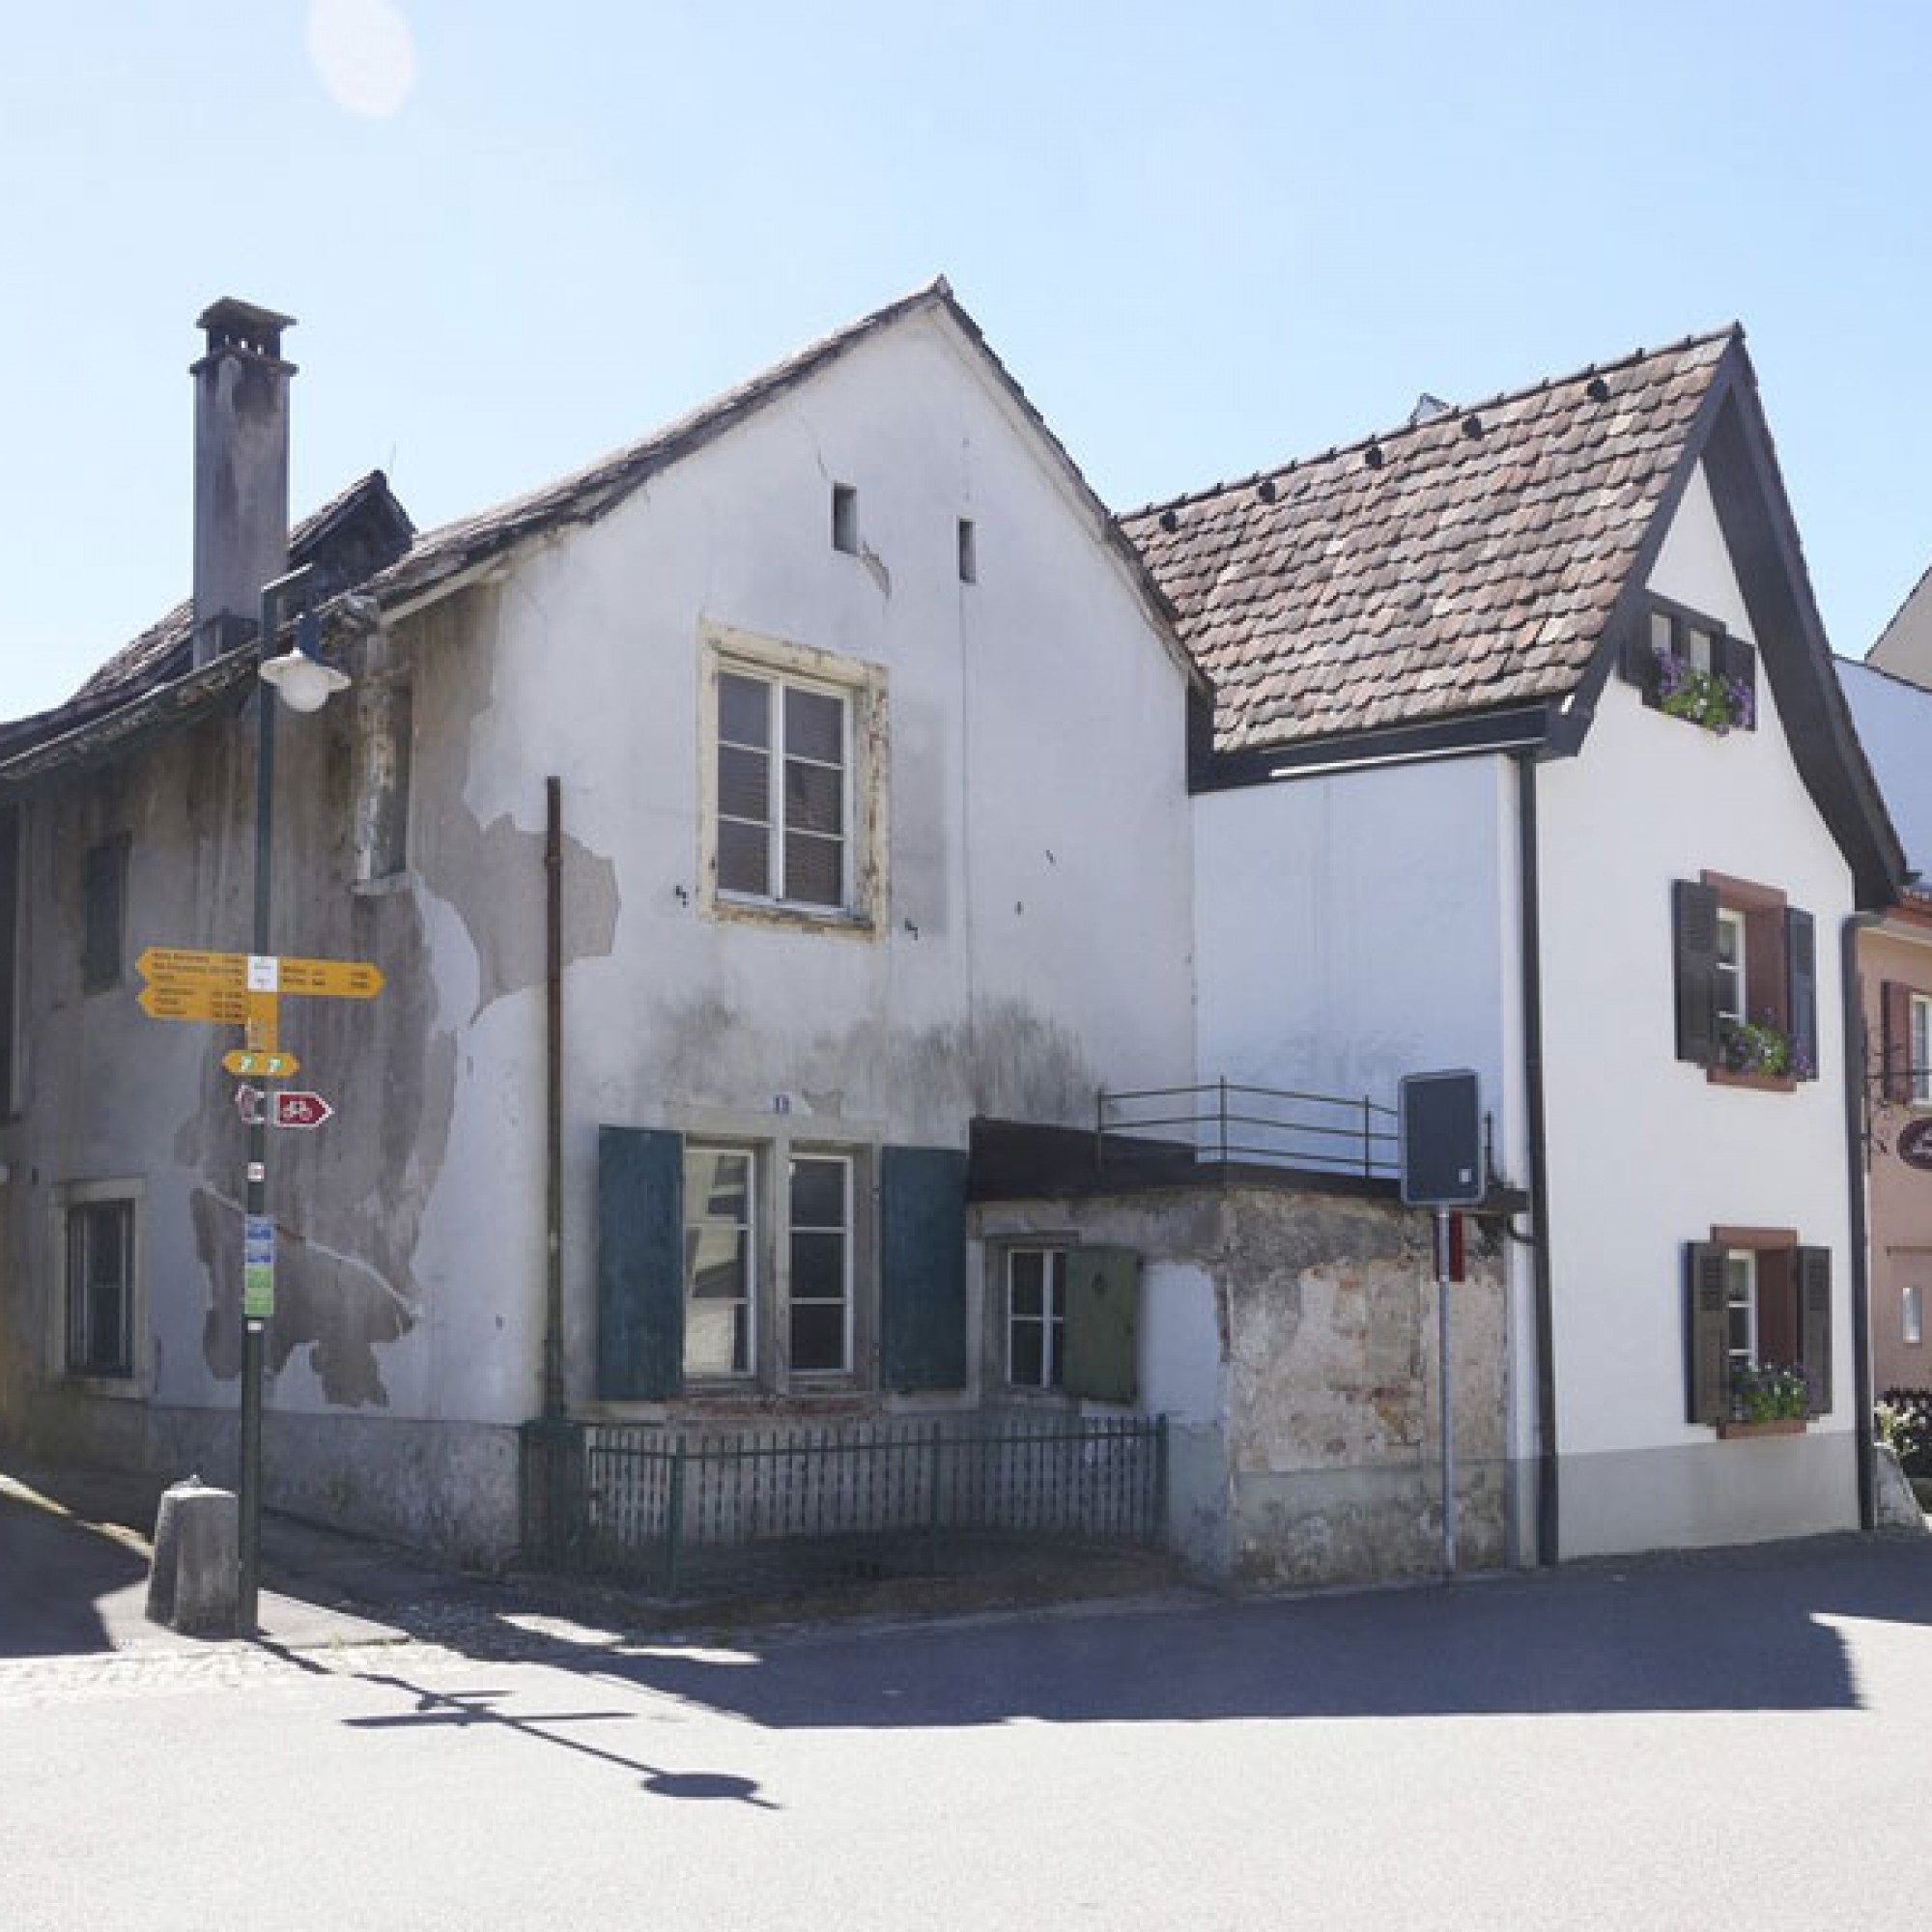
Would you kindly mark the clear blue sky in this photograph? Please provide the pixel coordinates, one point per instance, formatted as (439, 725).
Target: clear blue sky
(1205, 239)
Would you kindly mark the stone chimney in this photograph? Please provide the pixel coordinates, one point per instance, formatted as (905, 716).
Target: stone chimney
(241, 471)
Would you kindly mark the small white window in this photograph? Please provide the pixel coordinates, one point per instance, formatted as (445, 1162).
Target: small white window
(1731, 966)
(1921, 1050)
(1741, 1303)
(1912, 1315)
(1697, 648)
(845, 519)
(1036, 1317)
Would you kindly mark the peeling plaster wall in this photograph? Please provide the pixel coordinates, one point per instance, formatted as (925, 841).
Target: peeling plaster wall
(1291, 1339)
(1645, 1152)
(1034, 940)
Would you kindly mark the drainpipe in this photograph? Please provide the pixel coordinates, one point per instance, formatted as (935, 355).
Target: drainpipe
(553, 1349)
(1547, 1513)
(1851, 998)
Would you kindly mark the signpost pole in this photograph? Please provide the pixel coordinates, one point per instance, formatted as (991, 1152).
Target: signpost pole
(1443, 1377)
(257, 1196)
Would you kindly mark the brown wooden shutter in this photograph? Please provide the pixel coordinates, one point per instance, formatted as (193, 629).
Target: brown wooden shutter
(1706, 1332)
(1895, 1039)
(1694, 926)
(1814, 1292)
(1801, 998)
(1767, 968)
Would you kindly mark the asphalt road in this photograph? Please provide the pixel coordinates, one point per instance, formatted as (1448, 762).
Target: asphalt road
(1711, 1743)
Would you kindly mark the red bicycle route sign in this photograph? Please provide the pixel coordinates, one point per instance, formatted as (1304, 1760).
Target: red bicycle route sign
(283, 1108)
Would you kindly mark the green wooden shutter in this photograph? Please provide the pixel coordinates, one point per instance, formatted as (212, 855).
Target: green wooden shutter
(1814, 1293)
(1694, 911)
(921, 1269)
(1707, 1339)
(1801, 978)
(1636, 661)
(640, 1263)
(1103, 1301)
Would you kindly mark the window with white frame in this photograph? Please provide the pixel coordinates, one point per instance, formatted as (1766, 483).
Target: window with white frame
(784, 753)
(1741, 1309)
(818, 1294)
(741, 1288)
(1912, 1315)
(1730, 967)
(794, 758)
(100, 1286)
(720, 1260)
(1036, 1317)
(1919, 1065)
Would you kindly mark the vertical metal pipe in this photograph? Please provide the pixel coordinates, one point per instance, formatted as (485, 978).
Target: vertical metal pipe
(553, 1349)
(1548, 1515)
(1441, 1231)
(1851, 1001)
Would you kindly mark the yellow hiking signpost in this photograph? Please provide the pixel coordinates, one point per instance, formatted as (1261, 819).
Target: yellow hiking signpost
(245, 989)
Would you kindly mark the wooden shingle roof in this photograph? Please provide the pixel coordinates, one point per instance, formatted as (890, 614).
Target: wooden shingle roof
(1451, 566)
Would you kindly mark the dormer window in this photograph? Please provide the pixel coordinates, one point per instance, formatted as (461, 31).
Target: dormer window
(1687, 666)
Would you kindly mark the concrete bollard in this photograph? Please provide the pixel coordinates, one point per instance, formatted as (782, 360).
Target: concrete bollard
(193, 1586)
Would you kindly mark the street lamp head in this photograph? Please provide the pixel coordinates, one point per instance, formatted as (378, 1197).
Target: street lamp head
(301, 682)
(300, 679)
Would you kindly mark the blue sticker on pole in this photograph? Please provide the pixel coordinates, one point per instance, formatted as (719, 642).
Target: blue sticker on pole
(258, 1268)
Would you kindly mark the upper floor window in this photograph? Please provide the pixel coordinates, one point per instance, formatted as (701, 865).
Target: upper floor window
(1904, 1018)
(783, 791)
(1687, 666)
(793, 824)
(103, 913)
(1747, 981)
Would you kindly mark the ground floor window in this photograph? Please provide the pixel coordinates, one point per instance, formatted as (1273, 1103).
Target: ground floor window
(742, 1287)
(1036, 1317)
(1912, 1315)
(101, 1287)
(1759, 1336)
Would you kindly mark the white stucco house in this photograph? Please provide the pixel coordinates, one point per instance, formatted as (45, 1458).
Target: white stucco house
(1528, 758)
(780, 700)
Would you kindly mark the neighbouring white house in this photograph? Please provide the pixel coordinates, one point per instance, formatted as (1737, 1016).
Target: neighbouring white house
(1528, 758)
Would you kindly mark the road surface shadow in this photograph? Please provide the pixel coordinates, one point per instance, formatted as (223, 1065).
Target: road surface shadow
(64, 1589)
(1734, 1631)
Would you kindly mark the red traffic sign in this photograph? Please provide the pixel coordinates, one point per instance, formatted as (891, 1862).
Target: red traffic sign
(298, 1109)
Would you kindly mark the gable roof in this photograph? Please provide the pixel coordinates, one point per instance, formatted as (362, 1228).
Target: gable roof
(1469, 561)
(1462, 584)
(458, 548)
(367, 544)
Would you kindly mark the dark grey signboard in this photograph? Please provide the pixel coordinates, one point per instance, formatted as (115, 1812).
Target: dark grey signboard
(1440, 1131)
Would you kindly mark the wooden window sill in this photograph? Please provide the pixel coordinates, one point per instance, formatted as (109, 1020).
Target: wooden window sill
(1785, 1425)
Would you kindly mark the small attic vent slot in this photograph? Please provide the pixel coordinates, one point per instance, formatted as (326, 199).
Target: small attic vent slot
(845, 519)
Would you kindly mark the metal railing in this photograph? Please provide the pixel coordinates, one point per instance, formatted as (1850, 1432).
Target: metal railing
(665, 1506)
(1225, 1121)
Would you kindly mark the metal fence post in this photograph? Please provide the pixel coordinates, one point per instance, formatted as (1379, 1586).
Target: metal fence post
(932, 1485)
(673, 1520)
(1158, 1534)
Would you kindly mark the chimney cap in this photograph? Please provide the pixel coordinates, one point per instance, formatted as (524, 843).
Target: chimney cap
(238, 325)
